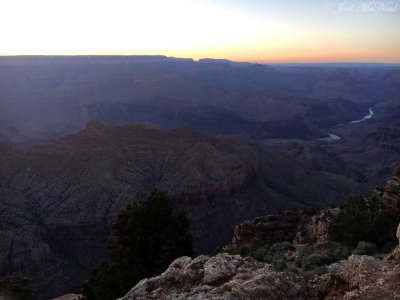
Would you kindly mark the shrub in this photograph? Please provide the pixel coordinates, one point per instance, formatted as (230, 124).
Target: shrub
(16, 287)
(279, 264)
(310, 211)
(260, 254)
(312, 261)
(365, 248)
(388, 247)
(272, 255)
(305, 250)
(364, 220)
(282, 247)
(313, 256)
(242, 250)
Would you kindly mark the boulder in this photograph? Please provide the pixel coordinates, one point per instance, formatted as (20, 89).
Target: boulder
(222, 276)
(359, 277)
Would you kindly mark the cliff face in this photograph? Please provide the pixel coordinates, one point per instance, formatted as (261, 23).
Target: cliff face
(58, 201)
(389, 139)
(390, 193)
(294, 227)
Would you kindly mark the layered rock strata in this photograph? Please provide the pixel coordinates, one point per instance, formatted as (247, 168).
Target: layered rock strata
(290, 226)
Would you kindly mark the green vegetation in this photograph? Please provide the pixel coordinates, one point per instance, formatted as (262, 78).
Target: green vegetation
(365, 248)
(366, 220)
(149, 236)
(286, 257)
(272, 255)
(363, 226)
(16, 287)
(316, 255)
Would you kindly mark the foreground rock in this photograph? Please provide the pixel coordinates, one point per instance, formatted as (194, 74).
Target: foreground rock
(361, 277)
(220, 277)
(232, 277)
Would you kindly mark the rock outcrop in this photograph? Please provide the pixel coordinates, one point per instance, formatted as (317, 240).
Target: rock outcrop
(394, 257)
(389, 138)
(232, 277)
(361, 277)
(220, 277)
(290, 226)
(398, 233)
(69, 297)
(390, 193)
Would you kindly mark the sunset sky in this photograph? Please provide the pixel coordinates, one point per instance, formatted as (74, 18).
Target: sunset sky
(243, 30)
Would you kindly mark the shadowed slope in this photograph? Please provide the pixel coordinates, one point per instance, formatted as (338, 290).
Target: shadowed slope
(58, 200)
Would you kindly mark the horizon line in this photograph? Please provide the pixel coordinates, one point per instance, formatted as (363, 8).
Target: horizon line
(260, 61)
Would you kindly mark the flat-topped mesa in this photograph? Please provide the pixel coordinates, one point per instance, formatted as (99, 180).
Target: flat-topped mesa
(83, 59)
(390, 193)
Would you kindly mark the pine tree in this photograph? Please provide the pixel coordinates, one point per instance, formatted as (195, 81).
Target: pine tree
(149, 235)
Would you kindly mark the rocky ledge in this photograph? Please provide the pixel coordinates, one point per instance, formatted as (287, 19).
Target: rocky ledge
(220, 277)
(361, 277)
(233, 278)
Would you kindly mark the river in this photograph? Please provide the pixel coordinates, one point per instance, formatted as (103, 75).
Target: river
(369, 116)
(332, 136)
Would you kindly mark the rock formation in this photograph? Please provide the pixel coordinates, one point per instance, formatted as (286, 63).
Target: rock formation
(68, 297)
(290, 226)
(232, 277)
(398, 233)
(361, 277)
(57, 95)
(390, 193)
(58, 201)
(220, 277)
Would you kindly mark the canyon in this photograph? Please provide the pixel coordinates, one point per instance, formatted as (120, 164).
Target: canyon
(58, 200)
(226, 276)
(82, 137)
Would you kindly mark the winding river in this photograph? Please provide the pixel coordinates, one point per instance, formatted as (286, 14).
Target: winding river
(332, 136)
(369, 116)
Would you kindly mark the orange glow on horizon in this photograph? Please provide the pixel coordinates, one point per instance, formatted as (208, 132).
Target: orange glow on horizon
(288, 31)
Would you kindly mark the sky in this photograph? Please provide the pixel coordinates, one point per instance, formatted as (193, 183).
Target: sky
(241, 30)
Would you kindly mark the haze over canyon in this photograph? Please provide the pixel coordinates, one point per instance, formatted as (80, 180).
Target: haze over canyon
(84, 136)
